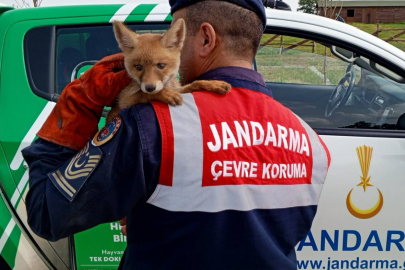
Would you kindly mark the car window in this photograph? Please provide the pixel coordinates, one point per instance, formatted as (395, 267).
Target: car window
(326, 91)
(56, 55)
(295, 60)
(39, 53)
(83, 46)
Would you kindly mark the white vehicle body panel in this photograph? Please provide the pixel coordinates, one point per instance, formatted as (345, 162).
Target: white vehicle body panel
(387, 173)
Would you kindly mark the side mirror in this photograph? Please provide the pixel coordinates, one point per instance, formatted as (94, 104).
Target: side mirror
(276, 4)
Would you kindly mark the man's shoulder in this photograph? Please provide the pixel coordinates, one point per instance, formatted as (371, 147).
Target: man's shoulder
(138, 113)
(142, 109)
(144, 117)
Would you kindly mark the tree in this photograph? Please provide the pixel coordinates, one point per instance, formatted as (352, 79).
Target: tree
(308, 6)
(330, 9)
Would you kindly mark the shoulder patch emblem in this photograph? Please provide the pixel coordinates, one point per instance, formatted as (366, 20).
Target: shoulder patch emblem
(70, 178)
(106, 133)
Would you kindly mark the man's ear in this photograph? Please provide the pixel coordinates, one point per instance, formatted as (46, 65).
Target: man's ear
(126, 38)
(207, 39)
(174, 37)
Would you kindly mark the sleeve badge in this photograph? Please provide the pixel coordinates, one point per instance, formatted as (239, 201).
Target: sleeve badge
(71, 177)
(106, 133)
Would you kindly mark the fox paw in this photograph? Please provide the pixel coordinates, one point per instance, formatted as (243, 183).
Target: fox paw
(173, 98)
(220, 87)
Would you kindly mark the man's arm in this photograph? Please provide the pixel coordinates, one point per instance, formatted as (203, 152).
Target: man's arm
(72, 191)
(106, 194)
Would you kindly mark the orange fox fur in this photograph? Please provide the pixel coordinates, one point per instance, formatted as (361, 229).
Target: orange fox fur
(152, 61)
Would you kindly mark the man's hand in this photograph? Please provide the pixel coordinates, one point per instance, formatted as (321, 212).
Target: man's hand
(123, 223)
(105, 80)
(74, 120)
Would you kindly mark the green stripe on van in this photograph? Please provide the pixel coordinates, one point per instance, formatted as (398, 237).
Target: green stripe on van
(142, 11)
(9, 252)
(168, 18)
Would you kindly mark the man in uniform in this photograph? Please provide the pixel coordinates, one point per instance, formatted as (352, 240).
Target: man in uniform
(221, 182)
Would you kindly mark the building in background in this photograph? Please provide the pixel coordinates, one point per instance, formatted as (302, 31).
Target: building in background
(366, 11)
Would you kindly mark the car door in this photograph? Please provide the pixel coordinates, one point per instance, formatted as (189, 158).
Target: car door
(47, 48)
(359, 220)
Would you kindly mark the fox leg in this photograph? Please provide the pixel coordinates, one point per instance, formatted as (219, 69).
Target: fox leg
(171, 97)
(219, 87)
(166, 95)
(126, 100)
(112, 113)
(127, 97)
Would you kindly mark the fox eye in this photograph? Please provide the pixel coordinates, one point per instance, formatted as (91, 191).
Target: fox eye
(138, 67)
(161, 66)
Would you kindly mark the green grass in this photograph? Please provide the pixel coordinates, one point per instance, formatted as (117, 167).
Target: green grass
(294, 66)
(287, 41)
(371, 28)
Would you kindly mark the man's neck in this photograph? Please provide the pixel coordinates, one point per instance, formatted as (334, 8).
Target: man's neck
(222, 60)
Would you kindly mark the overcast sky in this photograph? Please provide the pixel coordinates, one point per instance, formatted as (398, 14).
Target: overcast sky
(292, 3)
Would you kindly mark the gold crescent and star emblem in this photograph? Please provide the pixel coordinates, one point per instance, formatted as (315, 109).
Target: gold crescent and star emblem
(364, 154)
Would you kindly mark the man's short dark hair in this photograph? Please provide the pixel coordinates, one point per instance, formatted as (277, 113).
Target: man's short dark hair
(240, 28)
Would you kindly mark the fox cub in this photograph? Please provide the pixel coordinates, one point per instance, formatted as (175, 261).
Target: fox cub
(152, 61)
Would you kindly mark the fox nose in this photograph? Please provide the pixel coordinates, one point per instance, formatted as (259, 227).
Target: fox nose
(150, 87)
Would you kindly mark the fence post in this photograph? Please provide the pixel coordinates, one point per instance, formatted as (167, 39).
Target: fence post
(281, 45)
(378, 29)
(324, 68)
(313, 47)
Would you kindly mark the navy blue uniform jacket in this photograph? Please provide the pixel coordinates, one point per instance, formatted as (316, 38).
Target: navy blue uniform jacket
(126, 177)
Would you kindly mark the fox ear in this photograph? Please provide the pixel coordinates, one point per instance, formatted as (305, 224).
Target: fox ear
(126, 38)
(174, 37)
